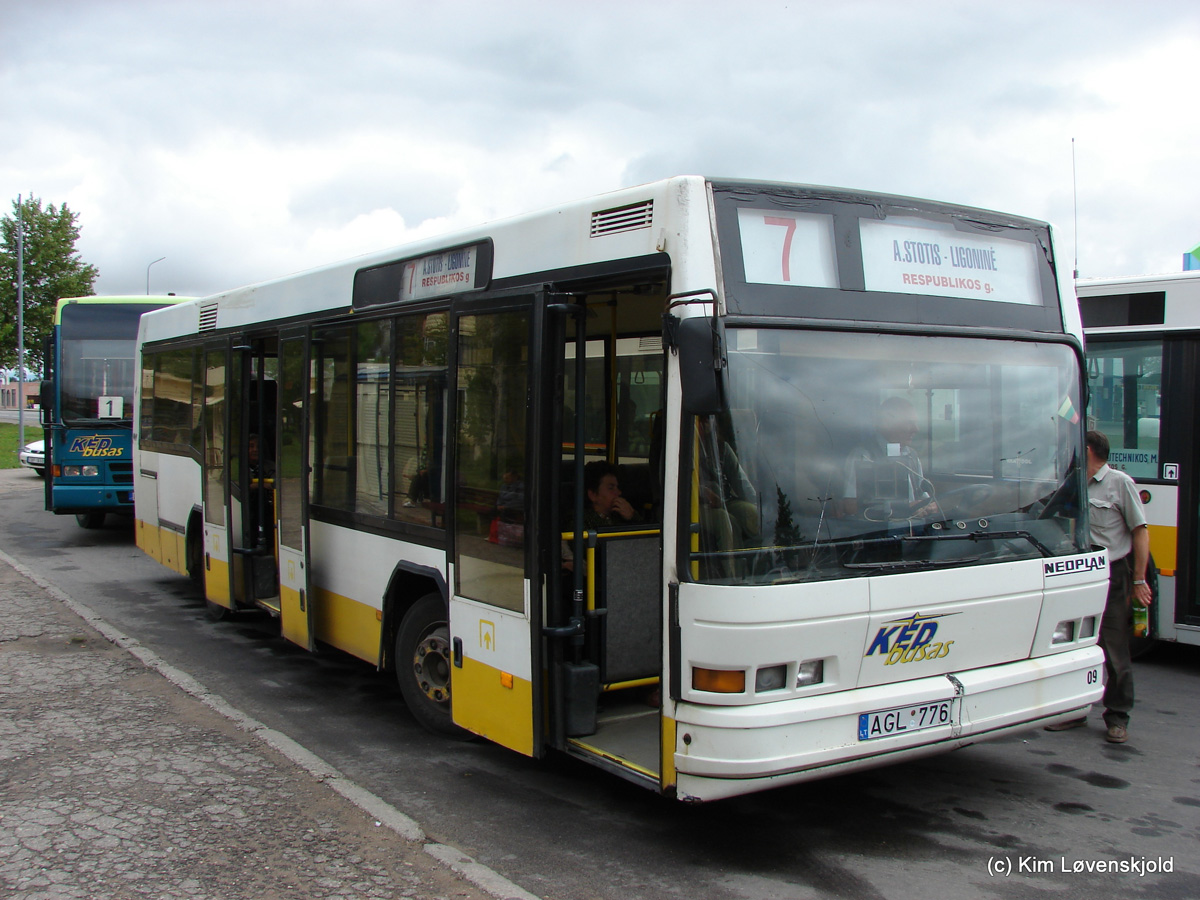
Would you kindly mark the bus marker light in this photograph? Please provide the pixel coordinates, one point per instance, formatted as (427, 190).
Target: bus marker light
(719, 681)
(770, 678)
(506, 680)
(811, 671)
(1064, 632)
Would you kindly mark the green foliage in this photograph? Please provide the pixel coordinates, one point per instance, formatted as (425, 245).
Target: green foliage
(8, 443)
(53, 270)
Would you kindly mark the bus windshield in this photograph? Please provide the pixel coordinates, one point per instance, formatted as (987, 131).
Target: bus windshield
(97, 344)
(858, 454)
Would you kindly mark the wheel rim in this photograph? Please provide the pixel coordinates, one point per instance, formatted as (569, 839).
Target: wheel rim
(431, 665)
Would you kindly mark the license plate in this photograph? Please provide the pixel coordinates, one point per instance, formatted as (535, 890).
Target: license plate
(903, 719)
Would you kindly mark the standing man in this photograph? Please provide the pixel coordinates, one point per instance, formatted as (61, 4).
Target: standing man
(1118, 523)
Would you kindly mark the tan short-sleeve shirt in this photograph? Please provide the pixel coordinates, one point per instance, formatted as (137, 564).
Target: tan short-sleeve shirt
(1115, 510)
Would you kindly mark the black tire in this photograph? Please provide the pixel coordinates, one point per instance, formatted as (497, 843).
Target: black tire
(89, 520)
(423, 662)
(215, 611)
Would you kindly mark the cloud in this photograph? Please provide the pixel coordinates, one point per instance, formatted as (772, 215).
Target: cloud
(248, 140)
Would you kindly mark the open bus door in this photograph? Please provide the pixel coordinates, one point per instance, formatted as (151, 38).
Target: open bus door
(291, 482)
(218, 568)
(495, 594)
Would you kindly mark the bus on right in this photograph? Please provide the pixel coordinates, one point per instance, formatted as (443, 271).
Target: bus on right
(1142, 335)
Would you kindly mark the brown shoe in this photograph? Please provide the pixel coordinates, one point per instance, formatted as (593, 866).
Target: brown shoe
(1067, 725)
(1116, 734)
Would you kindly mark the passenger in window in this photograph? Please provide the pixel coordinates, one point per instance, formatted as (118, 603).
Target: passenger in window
(508, 527)
(605, 507)
(890, 452)
(261, 465)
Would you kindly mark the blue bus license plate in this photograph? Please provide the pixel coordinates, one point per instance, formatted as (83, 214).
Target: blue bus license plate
(889, 722)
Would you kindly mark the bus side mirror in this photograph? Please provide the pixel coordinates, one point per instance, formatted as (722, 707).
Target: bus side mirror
(46, 400)
(701, 365)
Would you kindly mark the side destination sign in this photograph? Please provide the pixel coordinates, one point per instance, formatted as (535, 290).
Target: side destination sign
(441, 274)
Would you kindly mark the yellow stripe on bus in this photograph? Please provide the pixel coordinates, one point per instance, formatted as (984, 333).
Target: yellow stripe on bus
(1163, 545)
(485, 704)
(347, 624)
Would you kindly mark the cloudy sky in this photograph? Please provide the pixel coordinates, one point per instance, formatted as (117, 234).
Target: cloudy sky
(246, 140)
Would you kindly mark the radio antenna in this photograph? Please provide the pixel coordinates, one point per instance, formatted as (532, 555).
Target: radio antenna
(1075, 201)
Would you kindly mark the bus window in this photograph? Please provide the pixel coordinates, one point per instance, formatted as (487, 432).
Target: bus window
(419, 428)
(492, 389)
(1125, 387)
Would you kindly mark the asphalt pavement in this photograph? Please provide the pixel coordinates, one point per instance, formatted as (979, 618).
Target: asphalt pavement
(121, 777)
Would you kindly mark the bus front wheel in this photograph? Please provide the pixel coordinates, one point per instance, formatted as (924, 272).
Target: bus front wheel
(423, 663)
(89, 520)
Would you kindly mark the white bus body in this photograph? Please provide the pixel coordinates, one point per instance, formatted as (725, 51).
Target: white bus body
(428, 418)
(1143, 334)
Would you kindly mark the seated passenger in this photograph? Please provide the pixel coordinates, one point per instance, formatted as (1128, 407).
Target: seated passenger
(606, 507)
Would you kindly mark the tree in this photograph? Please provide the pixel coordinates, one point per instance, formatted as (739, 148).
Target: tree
(53, 270)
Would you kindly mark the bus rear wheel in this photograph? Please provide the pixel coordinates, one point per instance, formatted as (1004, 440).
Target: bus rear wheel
(423, 662)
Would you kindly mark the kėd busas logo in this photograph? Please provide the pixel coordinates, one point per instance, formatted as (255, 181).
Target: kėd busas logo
(94, 445)
(909, 640)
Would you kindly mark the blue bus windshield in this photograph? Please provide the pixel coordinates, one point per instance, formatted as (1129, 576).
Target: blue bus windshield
(97, 344)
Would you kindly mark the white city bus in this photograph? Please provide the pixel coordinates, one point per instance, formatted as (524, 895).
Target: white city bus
(797, 595)
(1143, 358)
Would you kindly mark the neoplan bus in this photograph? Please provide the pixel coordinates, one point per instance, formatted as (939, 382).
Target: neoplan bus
(87, 405)
(389, 454)
(1143, 359)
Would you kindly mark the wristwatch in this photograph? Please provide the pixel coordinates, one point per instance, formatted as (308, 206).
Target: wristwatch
(1139, 582)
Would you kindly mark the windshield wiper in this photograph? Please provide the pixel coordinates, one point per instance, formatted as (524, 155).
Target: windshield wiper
(914, 563)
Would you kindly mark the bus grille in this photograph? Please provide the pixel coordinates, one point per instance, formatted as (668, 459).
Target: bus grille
(122, 473)
(208, 316)
(625, 218)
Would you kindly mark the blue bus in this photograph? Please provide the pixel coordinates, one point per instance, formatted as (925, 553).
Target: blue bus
(87, 405)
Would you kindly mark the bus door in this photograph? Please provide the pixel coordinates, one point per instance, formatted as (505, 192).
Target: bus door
(218, 568)
(495, 602)
(606, 693)
(291, 483)
(253, 414)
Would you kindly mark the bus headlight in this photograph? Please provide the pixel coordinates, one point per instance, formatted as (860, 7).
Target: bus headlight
(90, 471)
(86, 471)
(770, 678)
(811, 671)
(1064, 632)
(1087, 628)
(68, 471)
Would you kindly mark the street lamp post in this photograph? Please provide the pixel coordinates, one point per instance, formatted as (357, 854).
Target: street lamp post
(20, 325)
(160, 259)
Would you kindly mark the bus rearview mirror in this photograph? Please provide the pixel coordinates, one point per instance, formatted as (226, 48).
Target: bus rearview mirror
(701, 366)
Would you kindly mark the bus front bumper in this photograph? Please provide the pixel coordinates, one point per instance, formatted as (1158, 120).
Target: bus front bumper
(726, 751)
(73, 498)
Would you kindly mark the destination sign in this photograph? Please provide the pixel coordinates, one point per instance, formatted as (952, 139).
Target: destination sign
(919, 256)
(441, 274)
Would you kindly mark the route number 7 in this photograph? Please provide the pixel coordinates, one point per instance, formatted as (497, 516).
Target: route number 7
(790, 225)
